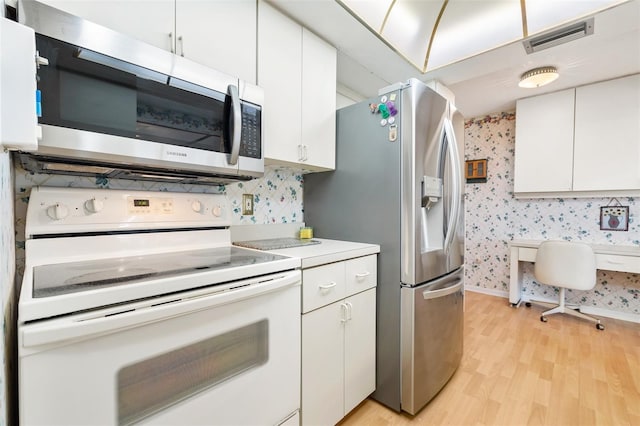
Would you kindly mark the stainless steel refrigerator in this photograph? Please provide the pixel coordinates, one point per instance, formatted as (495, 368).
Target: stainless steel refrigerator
(398, 183)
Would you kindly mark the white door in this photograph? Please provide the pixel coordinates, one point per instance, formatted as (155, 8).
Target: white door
(322, 368)
(220, 34)
(360, 349)
(280, 75)
(151, 21)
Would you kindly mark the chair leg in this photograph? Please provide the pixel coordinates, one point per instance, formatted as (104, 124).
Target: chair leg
(562, 308)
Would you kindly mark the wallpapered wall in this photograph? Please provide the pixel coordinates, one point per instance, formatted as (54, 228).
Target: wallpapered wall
(494, 217)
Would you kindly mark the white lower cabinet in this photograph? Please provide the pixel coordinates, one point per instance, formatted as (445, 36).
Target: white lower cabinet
(338, 338)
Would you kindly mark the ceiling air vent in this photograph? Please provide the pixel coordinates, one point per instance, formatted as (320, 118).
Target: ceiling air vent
(558, 37)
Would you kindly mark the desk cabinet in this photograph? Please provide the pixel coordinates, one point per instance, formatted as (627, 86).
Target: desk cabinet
(607, 136)
(338, 338)
(219, 34)
(580, 142)
(544, 143)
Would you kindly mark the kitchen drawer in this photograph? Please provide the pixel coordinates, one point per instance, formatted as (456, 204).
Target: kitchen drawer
(361, 274)
(323, 285)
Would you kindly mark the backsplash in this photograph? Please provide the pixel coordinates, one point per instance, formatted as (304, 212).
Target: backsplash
(493, 217)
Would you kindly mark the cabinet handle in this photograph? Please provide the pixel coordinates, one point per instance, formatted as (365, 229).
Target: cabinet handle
(349, 310)
(363, 275)
(181, 45)
(299, 152)
(614, 262)
(305, 158)
(171, 43)
(343, 312)
(328, 286)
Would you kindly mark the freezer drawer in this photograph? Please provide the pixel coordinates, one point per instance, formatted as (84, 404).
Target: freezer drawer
(431, 338)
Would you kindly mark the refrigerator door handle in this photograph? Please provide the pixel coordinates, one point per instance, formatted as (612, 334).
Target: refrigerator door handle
(456, 184)
(441, 292)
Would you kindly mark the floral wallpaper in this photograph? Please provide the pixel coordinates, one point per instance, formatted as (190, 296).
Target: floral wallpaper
(493, 217)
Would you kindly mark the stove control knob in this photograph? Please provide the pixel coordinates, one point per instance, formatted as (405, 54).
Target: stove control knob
(196, 206)
(93, 205)
(217, 211)
(58, 211)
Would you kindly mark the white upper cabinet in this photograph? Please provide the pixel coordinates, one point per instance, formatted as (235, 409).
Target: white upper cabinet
(607, 137)
(544, 143)
(580, 142)
(297, 71)
(150, 21)
(280, 76)
(319, 64)
(220, 34)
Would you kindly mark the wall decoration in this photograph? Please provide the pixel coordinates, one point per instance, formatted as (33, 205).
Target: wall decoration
(475, 171)
(614, 217)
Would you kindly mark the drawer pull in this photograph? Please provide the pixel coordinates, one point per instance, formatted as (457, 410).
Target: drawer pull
(328, 286)
(613, 262)
(363, 275)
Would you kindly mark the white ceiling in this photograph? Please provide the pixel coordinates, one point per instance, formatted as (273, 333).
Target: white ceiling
(485, 83)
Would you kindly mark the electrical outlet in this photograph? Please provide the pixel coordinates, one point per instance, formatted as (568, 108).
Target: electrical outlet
(247, 204)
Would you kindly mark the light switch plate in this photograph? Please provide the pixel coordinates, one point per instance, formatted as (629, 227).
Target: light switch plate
(247, 204)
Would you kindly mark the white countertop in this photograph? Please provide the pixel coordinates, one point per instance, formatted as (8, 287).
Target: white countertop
(328, 251)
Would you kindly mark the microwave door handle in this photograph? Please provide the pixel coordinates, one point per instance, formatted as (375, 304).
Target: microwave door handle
(235, 124)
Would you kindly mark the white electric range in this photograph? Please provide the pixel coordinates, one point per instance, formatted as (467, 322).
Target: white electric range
(136, 309)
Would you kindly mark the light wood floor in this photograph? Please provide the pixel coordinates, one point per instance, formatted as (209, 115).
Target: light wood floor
(517, 370)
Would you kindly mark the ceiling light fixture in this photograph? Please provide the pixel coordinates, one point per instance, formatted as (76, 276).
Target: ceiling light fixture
(538, 77)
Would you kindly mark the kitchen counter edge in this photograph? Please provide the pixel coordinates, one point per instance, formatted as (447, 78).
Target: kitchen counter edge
(328, 251)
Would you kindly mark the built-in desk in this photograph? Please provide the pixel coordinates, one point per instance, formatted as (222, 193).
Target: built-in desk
(608, 256)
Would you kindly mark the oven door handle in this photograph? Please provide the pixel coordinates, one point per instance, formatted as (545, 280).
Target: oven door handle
(84, 326)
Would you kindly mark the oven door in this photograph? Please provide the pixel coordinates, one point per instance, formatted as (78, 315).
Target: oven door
(207, 356)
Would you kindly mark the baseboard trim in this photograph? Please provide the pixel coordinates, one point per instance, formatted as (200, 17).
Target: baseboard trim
(598, 312)
(490, 292)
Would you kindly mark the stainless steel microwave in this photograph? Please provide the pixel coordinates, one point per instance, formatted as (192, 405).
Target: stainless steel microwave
(114, 106)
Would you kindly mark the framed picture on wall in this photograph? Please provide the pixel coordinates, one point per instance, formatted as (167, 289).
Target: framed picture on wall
(614, 218)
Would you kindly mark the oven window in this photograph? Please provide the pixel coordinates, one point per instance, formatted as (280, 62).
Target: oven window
(85, 90)
(154, 384)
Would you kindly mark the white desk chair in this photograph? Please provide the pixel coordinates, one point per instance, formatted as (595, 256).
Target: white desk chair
(565, 265)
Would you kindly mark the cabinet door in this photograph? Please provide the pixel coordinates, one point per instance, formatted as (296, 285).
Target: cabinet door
(323, 365)
(544, 143)
(360, 349)
(220, 34)
(319, 102)
(280, 75)
(607, 147)
(151, 21)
